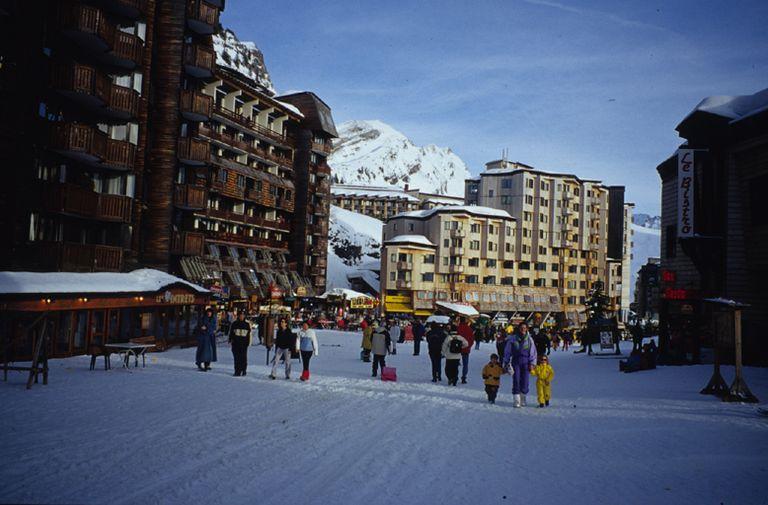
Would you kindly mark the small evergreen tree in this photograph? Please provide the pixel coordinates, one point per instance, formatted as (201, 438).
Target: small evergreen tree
(597, 303)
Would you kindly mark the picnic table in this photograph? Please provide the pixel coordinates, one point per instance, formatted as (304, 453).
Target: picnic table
(128, 349)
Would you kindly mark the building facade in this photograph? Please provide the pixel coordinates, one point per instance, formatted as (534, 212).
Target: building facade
(647, 293)
(136, 149)
(385, 202)
(571, 232)
(714, 240)
(457, 254)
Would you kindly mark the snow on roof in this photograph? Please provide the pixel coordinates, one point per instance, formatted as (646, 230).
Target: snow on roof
(411, 239)
(475, 210)
(371, 192)
(444, 200)
(459, 308)
(348, 293)
(726, 301)
(291, 108)
(138, 281)
(734, 108)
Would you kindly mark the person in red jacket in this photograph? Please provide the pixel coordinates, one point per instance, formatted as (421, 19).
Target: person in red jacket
(466, 331)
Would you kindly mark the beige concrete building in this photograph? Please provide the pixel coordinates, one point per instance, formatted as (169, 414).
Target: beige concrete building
(458, 254)
(385, 202)
(571, 232)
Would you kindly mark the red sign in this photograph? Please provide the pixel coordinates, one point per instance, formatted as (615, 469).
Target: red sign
(275, 292)
(668, 276)
(679, 294)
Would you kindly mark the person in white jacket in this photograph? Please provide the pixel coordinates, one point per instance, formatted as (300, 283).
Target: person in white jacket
(452, 346)
(307, 347)
(394, 335)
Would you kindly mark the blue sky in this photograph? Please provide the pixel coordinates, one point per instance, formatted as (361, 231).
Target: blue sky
(593, 88)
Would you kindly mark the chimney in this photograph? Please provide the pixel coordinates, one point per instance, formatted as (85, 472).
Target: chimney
(406, 187)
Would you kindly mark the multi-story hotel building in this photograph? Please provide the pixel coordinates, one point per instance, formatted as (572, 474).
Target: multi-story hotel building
(460, 254)
(571, 232)
(142, 151)
(385, 202)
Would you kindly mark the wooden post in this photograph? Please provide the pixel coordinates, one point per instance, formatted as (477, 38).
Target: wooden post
(716, 385)
(739, 391)
(33, 371)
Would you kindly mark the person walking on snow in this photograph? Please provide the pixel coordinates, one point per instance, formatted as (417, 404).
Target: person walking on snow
(240, 339)
(206, 341)
(307, 347)
(469, 335)
(544, 374)
(418, 334)
(380, 344)
(435, 338)
(285, 344)
(453, 345)
(492, 373)
(542, 342)
(394, 335)
(520, 356)
(366, 344)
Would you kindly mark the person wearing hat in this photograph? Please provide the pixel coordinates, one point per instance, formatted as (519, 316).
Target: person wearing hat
(435, 338)
(206, 341)
(240, 339)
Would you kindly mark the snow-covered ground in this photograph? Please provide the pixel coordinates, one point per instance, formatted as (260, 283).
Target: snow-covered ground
(169, 434)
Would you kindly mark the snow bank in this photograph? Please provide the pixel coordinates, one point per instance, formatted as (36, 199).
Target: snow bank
(142, 280)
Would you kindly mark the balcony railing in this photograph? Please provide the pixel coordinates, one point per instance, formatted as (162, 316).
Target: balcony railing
(199, 60)
(91, 29)
(202, 17)
(196, 106)
(80, 141)
(70, 256)
(128, 8)
(322, 169)
(405, 265)
(193, 151)
(127, 49)
(403, 284)
(119, 155)
(78, 201)
(247, 122)
(237, 238)
(187, 243)
(186, 196)
(458, 233)
(323, 148)
(317, 270)
(94, 90)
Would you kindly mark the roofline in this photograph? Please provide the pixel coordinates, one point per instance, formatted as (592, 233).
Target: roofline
(309, 92)
(236, 76)
(516, 171)
(448, 210)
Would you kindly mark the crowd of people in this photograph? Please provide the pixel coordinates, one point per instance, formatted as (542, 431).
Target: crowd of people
(520, 353)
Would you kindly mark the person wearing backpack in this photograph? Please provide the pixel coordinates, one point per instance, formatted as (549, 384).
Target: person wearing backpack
(452, 347)
(520, 357)
(380, 345)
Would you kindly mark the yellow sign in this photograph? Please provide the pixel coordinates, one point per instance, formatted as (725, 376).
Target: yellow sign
(398, 299)
(362, 302)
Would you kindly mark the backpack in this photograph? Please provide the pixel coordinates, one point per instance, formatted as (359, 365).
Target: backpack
(454, 346)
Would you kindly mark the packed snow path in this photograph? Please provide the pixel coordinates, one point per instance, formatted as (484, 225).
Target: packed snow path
(170, 434)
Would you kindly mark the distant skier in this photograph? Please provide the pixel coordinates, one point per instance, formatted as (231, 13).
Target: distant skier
(307, 347)
(435, 338)
(380, 346)
(453, 345)
(206, 341)
(520, 356)
(240, 338)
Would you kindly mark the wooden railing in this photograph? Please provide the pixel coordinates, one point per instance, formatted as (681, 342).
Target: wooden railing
(123, 100)
(78, 139)
(88, 19)
(322, 169)
(79, 79)
(324, 148)
(187, 243)
(193, 150)
(256, 221)
(70, 256)
(119, 154)
(79, 201)
(194, 102)
(202, 12)
(187, 196)
(253, 125)
(199, 56)
(236, 238)
(127, 46)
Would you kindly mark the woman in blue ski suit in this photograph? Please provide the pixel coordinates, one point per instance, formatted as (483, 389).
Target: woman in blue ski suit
(520, 354)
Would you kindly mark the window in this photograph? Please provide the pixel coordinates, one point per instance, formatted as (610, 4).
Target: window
(509, 264)
(541, 267)
(489, 280)
(506, 183)
(473, 262)
(492, 246)
(410, 226)
(240, 181)
(471, 279)
(490, 263)
(222, 176)
(555, 283)
(524, 281)
(524, 265)
(474, 228)
(428, 277)
(474, 245)
(555, 267)
(491, 229)
(429, 259)
(506, 200)
(539, 282)
(490, 193)
(529, 199)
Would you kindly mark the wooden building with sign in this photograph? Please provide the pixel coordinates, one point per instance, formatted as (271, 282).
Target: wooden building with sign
(81, 310)
(714, 239)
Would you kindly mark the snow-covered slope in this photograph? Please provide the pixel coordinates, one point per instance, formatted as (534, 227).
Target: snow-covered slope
(647, 244)
(354, 243)
(372, 152)
(242, 57)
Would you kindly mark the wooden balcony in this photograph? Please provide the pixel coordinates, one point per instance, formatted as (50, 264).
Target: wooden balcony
(202, 17)
(94, 91)
(126, 8)
(199, 60)
(187, 243)
(196, 106)
(89, 28)
(193, 151)
(246, 122)
(238, 238)
(73, 200)
(88, 145)
(403, 284)
(322, 169)
(322, 148)
(187, 196)
(404, 265)
(74, 257)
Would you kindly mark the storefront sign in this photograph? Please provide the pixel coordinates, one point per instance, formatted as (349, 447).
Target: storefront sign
(362, 302)
(275, 292)
(685, 192)
(606, 340)
(175, 299)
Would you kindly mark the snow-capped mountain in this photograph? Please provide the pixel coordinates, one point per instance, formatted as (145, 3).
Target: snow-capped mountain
(647, 221)
(243, 57)
(646, 244)
(373, 153)
(354, 244)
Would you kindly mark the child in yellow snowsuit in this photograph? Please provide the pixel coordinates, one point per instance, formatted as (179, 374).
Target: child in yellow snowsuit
(544, 374)
(492, 373)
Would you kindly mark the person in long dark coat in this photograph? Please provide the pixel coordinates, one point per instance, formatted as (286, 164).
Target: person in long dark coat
(418, 334)
(206, 341)
(240, 339)
(435, 338)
